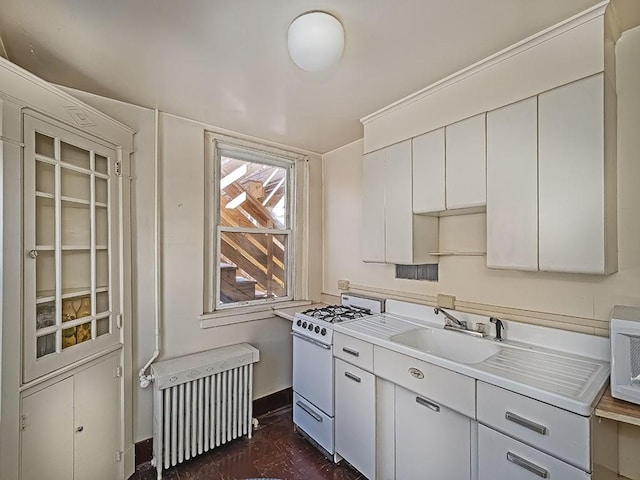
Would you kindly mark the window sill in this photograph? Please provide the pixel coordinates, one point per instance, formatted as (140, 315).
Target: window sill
(246, 314)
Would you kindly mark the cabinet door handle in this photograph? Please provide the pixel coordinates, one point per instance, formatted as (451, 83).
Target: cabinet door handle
(33, 253)
(79, 429)
(426, 403)
(527, 465)
(313, 414)
(351, 351)
(352, 377)
(523, 422)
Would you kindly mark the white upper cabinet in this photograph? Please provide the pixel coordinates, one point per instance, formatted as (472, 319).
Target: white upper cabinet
(577, 175)
(428, 172)
(391, 233)
(512, 186)
(373, 206)
(465, 163)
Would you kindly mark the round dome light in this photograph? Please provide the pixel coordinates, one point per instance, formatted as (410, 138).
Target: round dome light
(315, 41)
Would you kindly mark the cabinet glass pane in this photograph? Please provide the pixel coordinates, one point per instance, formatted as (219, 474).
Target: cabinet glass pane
(68, 337)
(83, 332)
(45, 345)
(74, 155)
(102, 327)
(102, 190)
(75, 185)
(45, 273)
(102, 164)
(45, 222)
(45, 178)
(102, 302)
(102, 228)
(45, 315)
(76, 270)
(45, 145)
(76, 225)
(102, 268)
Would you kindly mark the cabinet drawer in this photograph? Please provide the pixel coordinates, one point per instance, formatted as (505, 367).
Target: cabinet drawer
(502, 457)
(440, 385)
(356, 352)
(313, 421)
(562, 434)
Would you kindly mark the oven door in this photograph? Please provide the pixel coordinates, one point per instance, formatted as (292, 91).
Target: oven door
(313, 371)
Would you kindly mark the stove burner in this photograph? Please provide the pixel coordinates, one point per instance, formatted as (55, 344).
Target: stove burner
(337, 313)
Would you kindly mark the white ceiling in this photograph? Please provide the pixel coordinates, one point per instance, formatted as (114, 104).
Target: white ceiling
(224, 62)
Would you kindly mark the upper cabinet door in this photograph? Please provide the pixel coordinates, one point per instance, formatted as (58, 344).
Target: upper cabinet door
(512, 186)
(399, 204)
(373, 193)
(572, 178)
(71, 244)
(428, 172)
(466, 163)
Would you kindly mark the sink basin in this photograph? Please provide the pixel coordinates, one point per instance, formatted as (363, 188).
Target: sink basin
(452, 345)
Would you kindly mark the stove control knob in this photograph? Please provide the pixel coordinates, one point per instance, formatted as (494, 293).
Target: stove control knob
(311, 327)
(317, 329)
(323, 331)
(304, 324)
(299, 322)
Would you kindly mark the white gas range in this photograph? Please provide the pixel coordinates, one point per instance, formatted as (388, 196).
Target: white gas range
(313, 365)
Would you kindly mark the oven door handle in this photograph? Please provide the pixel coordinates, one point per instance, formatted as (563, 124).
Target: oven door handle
(311, 340)
(313, 414)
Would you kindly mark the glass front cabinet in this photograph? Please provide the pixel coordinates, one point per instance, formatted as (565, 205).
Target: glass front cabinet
(72, 306)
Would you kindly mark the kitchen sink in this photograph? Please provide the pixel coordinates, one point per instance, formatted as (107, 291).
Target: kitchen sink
(451, 345)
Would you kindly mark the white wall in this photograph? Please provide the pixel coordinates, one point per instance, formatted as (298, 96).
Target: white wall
(182, 159)
(588, 297)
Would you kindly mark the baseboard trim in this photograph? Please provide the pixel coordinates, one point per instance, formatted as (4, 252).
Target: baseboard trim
(266, 404)
(272, 402)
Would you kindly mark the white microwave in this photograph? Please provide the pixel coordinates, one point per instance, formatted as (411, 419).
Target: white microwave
(625, 353)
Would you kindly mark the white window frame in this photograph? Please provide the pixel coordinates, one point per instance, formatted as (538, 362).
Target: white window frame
(215, 145)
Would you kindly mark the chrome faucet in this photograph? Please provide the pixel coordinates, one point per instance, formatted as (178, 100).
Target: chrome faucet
(451, 320)
(452, 323)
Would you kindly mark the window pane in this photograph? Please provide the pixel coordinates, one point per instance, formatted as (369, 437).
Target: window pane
(252, 194)
(252, 266)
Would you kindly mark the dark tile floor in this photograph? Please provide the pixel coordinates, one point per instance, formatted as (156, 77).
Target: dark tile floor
(274, 451)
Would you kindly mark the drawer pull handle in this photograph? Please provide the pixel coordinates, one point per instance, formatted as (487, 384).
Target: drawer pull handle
(426, 403)
(415, 373)
(527, 465)
(352, 377)
(313, 414)
(351, 351)
(523, 422)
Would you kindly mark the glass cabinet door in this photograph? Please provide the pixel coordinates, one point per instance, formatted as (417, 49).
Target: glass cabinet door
(71, 246)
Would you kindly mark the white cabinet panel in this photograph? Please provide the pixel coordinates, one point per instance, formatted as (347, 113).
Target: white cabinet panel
(97, 415)
(501, 457)
(512, 186)
(560, 433)
(47, 437)
(431, 440)
(466, 163)
(373, 241)
(428, 172)
(399, 204)
(456, 391)
(572, 165)
(355, 417)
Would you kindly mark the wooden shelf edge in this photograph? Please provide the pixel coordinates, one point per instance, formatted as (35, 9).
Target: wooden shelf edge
(462, 254)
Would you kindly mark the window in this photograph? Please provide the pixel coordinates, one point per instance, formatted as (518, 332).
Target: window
(252, 233)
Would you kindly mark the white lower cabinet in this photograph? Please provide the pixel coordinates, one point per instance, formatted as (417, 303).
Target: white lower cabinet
(432, 442)
(71, 429)
(355, 417)
(503, 458)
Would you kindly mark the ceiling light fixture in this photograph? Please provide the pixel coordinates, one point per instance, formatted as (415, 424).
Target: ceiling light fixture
(315, 41)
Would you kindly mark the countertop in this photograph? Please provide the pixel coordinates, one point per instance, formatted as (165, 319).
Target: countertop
(566, 380)
(614, 409)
